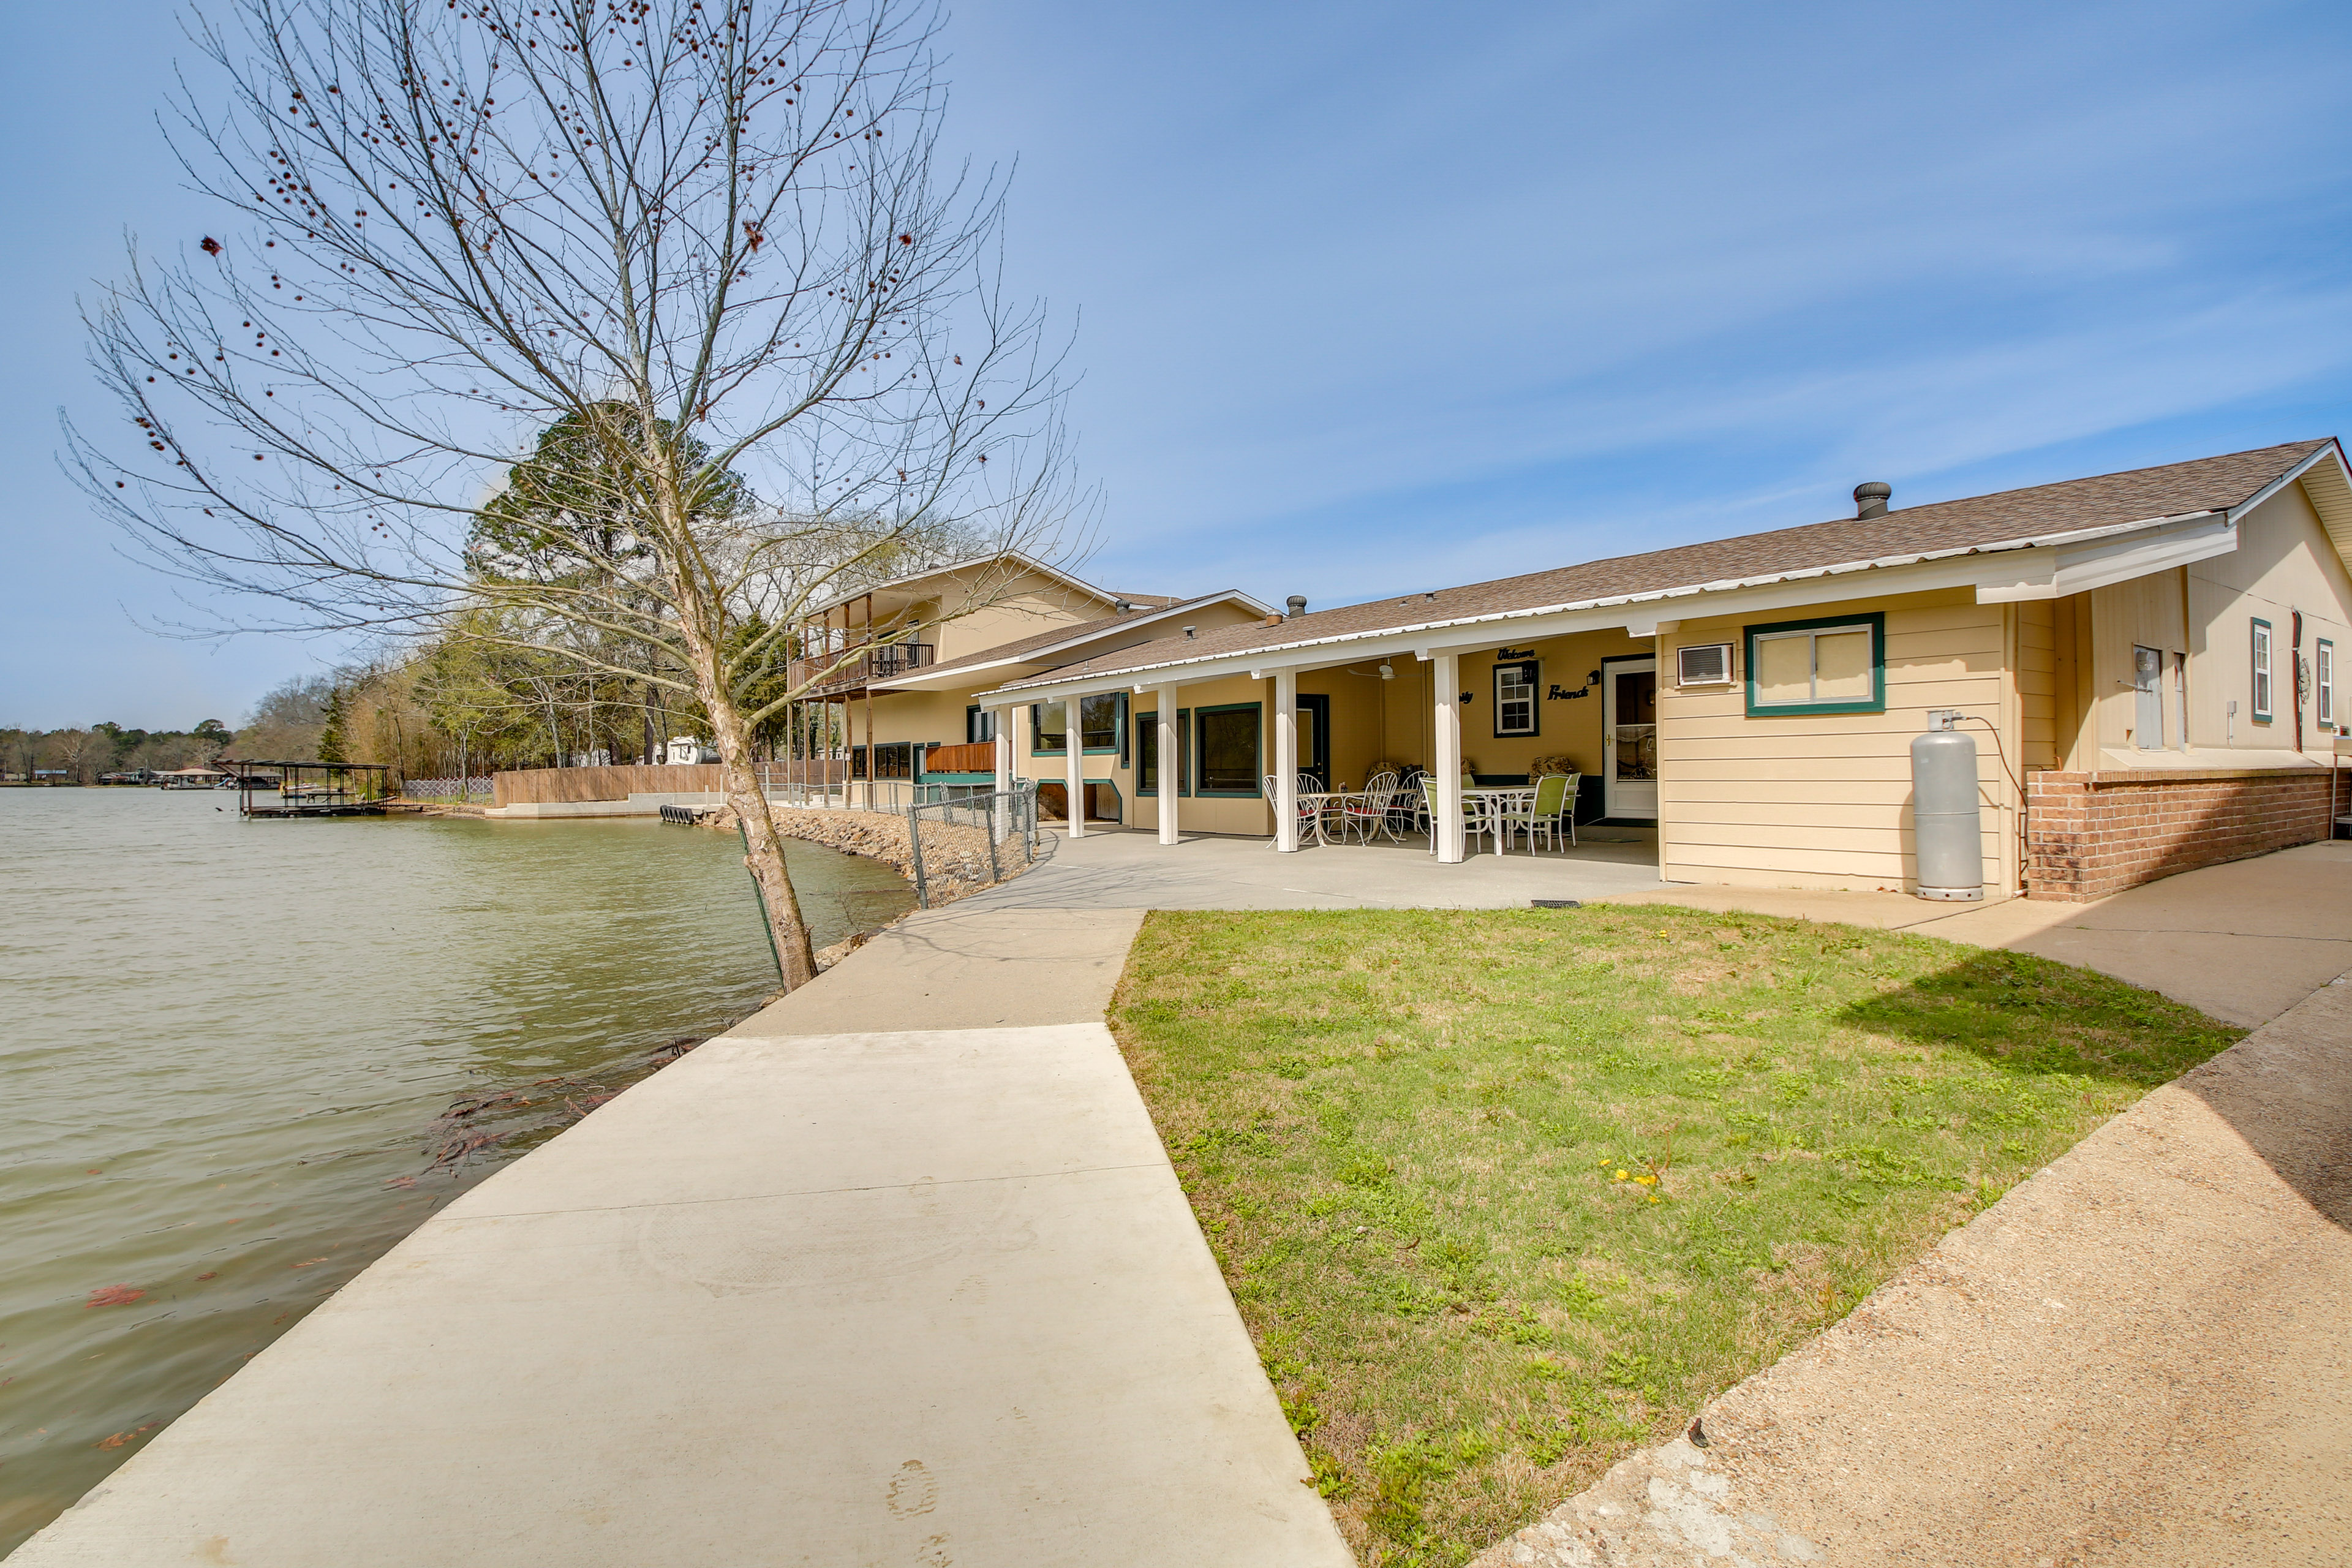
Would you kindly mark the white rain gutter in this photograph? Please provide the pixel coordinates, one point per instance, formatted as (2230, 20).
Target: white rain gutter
(1420, 637)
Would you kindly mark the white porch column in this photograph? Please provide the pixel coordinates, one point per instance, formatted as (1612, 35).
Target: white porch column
(1074, 746)
(1171, 766)
(1000, 811)
(1446, 687)
(1285, 760)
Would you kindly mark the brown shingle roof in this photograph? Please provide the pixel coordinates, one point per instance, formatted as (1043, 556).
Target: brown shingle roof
(2006, 518)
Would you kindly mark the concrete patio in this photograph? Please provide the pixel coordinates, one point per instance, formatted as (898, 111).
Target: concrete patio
(1126, 869)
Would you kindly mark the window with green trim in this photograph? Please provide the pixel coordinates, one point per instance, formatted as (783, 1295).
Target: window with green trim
(1836, 665)
(1100, 720)
(1146, 752)
(1226, 750)
(2261, 668)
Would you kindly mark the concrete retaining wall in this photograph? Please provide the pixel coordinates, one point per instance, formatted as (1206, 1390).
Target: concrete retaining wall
(648, 803)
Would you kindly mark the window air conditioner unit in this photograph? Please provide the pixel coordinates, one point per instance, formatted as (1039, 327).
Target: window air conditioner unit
(1705, 663)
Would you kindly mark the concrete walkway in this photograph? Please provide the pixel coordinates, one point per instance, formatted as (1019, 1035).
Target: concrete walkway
(895, 1273)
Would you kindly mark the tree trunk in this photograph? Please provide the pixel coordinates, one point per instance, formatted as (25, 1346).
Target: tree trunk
(764, 846)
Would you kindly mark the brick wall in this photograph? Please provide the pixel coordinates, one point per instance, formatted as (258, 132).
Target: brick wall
(2089, 835)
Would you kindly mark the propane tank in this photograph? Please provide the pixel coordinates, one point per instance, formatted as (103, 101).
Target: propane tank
(1944, 803)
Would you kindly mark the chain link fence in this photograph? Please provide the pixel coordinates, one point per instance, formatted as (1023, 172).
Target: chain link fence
(1005, 821)
(446, 789)
(892, 796)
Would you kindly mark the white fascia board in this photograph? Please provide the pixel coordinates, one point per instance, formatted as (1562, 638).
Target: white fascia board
(949, 680)
(2330, 452)
(2327, 485)
(1925, 571)
(2051, 574)
(2080, 571)
(1472, 633)
(1028, 562)
(2024, 575)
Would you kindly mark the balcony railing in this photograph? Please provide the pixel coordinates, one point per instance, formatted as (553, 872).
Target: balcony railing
(980, 758)
(875, 663)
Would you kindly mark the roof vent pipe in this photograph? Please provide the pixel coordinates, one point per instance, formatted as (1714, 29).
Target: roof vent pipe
(1869, 500)
(1297, 602)
(1120, 607)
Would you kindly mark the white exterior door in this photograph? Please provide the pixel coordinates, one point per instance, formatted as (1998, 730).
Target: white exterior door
(1629, 720)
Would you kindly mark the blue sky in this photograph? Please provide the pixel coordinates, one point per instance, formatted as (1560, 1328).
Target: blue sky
(1381, 296)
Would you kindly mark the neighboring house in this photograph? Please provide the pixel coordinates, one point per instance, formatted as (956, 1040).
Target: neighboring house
(2148, 661)
(905, 707)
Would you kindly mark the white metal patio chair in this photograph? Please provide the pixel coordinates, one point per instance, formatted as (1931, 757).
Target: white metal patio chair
(1367, 812)
(1310, 811)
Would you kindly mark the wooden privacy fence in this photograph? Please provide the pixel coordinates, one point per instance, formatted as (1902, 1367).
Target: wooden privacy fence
(541, 786)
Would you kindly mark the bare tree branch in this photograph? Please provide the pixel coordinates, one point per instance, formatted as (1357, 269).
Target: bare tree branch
(708, 237)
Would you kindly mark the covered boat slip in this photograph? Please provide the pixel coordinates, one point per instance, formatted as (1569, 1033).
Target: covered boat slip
(278, 789)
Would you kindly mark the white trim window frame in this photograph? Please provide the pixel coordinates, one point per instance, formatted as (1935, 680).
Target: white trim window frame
(2323, 667)
(1518, 688)
(2260, 655)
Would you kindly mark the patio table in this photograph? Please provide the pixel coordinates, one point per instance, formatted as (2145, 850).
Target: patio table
(1492, 802)
(1325, 802)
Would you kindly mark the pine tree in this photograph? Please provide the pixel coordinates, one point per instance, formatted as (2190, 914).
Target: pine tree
(332, 739)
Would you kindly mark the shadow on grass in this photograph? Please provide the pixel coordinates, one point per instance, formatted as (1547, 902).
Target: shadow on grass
(2030, 1015)
(2287, 1089)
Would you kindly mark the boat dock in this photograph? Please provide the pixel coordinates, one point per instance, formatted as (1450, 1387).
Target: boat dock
(311, 788)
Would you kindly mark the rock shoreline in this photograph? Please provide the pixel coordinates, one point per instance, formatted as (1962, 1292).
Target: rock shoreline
(955, 859)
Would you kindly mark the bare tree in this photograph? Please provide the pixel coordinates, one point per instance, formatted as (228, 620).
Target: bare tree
(79, 751)
(709, 239)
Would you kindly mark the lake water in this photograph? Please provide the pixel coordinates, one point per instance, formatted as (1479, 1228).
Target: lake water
(229, 1051)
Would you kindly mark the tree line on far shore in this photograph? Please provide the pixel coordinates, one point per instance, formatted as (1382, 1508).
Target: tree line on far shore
(82, 755)
(422, 711)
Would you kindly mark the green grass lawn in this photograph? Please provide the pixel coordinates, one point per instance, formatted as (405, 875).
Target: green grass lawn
(1503, 1194)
